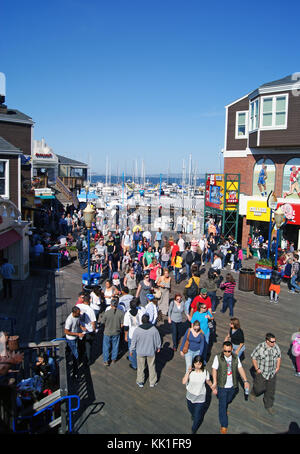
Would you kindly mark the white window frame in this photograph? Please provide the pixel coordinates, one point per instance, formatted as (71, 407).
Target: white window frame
(6, 195)
(273, 125)
(256, 115)
(245, 136)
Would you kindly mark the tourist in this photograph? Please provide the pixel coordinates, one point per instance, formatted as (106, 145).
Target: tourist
(130, 281)
(177, 264)
(95, 304)
(146, 342)
(164, 284)
(125, 298)
(205, 318)
(236, 337)
(217, 262)
(202, 298)
(266, 359)
(225, 369)
(154, 270)
(88, 324)
(109, 292)
(211, 285)
(148, 256)
(274, 288)
(174, 250)
(113, 322)
(228, 298)
(181, 243)
(191, 289)
(238, 258)
(211, 248)
(151, 308)
(175, 313)
(144, 288)
(295, 275)
(188, 258)
(158, 236)
(127, 240)
(165, 255)
(7, 271)
(111, 249)
(295, 350)
(73, 332)
(195, 379)
(132, 319)
(192, 344)
(249, 247)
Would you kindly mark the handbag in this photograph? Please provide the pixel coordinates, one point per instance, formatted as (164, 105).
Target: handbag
(187, 343)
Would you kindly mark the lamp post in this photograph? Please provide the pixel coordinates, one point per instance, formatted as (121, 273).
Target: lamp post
(272, 204)
(279, 218)
(88, 214)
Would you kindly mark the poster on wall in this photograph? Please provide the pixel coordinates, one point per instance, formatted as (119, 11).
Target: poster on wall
(291, 179)
(263, 177)
(214, 194)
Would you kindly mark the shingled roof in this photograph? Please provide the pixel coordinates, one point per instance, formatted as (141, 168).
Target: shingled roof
(7, 147)
(70, 162)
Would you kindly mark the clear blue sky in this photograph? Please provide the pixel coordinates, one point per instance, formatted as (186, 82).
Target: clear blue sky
(141, 79)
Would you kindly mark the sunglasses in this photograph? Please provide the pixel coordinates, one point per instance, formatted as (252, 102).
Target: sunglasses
(271, 342)
(227, 351)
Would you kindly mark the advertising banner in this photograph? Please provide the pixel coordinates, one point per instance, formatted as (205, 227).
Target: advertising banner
(214, 191)
(258, 211)
(291, 211)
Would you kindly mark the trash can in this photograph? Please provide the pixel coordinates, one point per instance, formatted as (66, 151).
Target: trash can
(262, 281)
(246, 279)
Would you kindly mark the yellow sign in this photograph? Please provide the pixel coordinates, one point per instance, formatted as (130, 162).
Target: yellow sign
(258, 210)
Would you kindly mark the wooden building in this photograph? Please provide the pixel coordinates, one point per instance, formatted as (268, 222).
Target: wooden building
(262, 139)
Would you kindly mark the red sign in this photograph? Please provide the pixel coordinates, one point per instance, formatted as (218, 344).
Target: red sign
(291, 211)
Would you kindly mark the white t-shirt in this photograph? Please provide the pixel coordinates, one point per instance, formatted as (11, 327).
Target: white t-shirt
(215, 365)
(87, 316)
(72, 324)
(127, 238)
(133, 321)
(147, 235)
(195, 387)
(95, 302)
(181, 244)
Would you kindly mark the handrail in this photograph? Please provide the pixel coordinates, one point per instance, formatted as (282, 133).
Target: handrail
(50, 407)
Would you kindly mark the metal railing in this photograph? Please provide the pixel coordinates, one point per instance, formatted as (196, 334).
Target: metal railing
(53, 422)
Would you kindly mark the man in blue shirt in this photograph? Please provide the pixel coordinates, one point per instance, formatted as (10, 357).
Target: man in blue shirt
(7, 270)
(203, 316)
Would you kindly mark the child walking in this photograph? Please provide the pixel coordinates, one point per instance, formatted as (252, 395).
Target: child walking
(228, 286)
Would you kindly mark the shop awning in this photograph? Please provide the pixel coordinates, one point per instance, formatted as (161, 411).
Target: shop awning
(9, 238)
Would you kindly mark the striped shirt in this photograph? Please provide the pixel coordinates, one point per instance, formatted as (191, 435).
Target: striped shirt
(228, 287)
(266, 358)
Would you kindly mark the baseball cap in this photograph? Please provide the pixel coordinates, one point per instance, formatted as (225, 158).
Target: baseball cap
(150, 296)
(203, 290)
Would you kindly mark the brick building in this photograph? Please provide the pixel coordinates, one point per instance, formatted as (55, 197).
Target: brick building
(262, 143)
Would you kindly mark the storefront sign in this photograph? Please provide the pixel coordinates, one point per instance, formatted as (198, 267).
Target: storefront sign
(258, 211)
(43, 155)
(292, 212)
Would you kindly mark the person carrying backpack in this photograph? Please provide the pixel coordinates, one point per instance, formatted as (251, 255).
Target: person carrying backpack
(189, 259)
(191, 290)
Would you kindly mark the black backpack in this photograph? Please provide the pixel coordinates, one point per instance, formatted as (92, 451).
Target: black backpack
(193, 290)
(189, 258)
(79, 244)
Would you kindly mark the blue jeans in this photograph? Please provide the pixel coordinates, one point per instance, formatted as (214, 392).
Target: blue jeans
(197, 412)
(225, 396)
(188, 270)
(189, 356)
(214, 300)
(176, 331)
(73, 347)
(177, 275)
(238, 265)
(132, 358)
(228, 302)
(113, 342)
(294, 284)
(164, 264)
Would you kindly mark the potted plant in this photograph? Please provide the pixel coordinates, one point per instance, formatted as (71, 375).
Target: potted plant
(264, 263)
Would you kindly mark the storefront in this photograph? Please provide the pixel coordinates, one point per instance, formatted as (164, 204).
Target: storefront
(14, 239)
(258, 217)
(44, 165)
(291, 230)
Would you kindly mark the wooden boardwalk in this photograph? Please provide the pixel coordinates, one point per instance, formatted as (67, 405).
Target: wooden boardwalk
(112, 403)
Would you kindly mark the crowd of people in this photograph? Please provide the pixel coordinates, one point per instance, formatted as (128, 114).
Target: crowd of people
(137, 267)
(140, 271)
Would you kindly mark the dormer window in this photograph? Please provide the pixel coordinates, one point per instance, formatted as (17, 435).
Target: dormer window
(274, 112)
